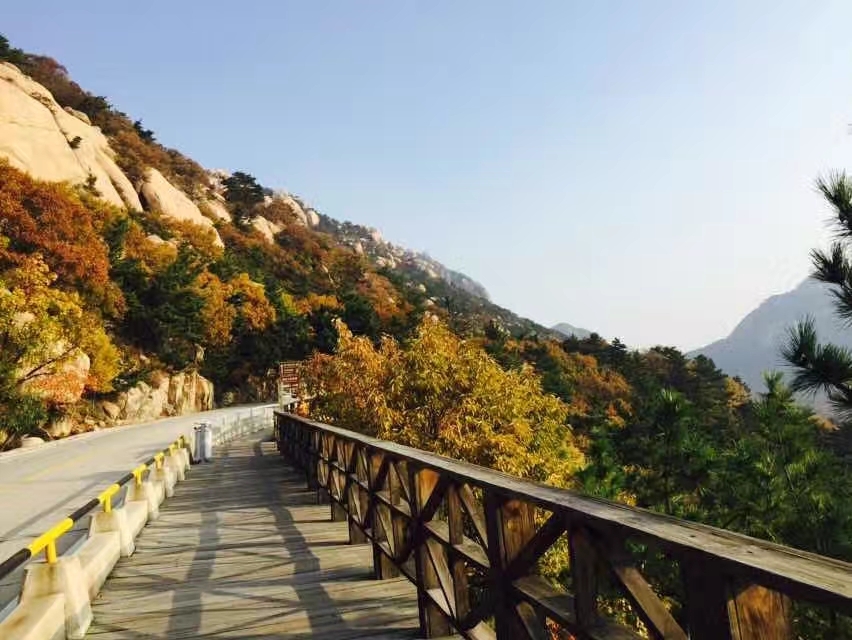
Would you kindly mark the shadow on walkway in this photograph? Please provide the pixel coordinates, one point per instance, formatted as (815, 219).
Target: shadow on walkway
(243, 551)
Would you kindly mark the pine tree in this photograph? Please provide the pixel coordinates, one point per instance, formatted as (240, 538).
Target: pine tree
(820, 366)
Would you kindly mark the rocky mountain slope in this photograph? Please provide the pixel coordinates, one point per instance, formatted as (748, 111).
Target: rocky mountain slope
(185, 271)
(56, 143)
(570, 330)
(753, 347)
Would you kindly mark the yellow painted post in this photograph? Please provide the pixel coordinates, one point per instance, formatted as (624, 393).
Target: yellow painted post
(47, 540)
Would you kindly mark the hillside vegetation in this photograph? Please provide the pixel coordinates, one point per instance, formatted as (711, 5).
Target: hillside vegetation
(214, 275)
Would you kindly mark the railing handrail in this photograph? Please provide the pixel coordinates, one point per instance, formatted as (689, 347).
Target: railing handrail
(799, 574)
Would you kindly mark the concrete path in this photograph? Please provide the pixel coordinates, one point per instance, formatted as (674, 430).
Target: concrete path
(242, 550)
(40, 486)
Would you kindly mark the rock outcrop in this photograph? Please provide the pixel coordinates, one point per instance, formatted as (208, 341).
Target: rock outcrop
(312, 218)
(217, 209)
(266, 227)
(161, 195)
(179, 394)
(40, 137)
(305, 217)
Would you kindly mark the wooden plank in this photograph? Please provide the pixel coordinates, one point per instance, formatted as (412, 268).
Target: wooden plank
(645, 601)
(243, 551)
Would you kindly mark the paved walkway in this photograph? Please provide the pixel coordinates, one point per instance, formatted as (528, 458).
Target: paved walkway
(243, 551)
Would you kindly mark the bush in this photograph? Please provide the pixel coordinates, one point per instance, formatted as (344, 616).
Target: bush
(20, 415)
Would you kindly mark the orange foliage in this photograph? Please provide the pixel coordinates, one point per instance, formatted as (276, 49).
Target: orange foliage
(593, 388)
(49, 218)
(383, 296)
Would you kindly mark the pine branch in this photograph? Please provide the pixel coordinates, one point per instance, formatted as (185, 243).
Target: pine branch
(836, 188)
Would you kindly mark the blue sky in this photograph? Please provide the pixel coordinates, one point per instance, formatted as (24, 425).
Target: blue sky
(640, 168)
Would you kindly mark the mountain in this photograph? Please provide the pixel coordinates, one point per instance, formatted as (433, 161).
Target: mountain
(753, 347)
(570, 330)
(186, 279)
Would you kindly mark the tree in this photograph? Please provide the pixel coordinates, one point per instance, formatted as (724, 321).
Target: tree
(165, 308)
(42, 329)
(818, 366)
(242, 193)
(146, 134)
(53, 221)
(444, 394)
(10, 54)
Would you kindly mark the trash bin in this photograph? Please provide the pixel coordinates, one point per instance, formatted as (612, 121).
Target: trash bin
(203, 442)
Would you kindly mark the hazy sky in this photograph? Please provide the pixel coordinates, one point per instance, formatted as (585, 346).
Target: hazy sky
(644, 169)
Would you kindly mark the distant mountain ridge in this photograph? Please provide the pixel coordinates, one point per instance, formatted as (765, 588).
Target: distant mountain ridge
(753, 347)
(570, 330)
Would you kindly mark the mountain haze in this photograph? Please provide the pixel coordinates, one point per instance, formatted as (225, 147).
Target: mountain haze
(570, 330)
(753, 347)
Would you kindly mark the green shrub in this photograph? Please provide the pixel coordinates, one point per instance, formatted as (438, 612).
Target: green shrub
(20, 415)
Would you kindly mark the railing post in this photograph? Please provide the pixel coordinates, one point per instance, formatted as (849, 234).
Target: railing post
(584, 576)
(433, 622)
(510, 526)
(758, 613)
(719, 608)
(352, 494)
(455, 521)
(338, 513)
(307, 457)
(319, 467)
(383, 566)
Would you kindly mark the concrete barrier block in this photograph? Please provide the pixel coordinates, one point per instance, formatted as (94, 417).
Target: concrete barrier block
(149, 492)
(183, 455)
(137, 516)
(64, 577)
(175, 463)
(98, 556)
(167, 476)
(37, 619)
(116, 520)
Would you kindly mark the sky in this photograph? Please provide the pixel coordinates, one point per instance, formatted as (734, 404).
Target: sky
(641, 169)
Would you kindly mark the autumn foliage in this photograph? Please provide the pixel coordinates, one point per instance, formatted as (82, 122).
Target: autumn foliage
(50, 219)
(444, 394)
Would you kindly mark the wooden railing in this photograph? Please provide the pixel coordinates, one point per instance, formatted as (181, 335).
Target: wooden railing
(472, 541)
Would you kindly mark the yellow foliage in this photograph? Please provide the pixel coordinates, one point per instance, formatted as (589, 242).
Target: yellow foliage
(447, 395)
(104, 357)
(201, 238)
(154, 256)
(316, 302)
(253, 307)
(217, 315)
(44, 329)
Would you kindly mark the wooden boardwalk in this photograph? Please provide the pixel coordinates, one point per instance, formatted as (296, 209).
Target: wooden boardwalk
(243, 551)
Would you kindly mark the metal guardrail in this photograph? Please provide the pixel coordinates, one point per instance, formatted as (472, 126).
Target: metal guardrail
(471, 540)
(47, 541)
(226, 430)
